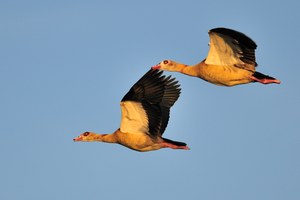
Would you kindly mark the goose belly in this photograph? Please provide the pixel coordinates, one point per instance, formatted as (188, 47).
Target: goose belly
(139, 142)
(225, 75)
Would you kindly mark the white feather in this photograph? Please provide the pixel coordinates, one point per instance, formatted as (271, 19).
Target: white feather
(223, 51)
(134, 118)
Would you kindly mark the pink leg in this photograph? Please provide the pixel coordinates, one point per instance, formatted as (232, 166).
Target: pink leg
(265, 81)
(173, 146)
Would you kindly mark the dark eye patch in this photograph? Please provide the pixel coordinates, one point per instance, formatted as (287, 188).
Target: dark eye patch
(86, 133)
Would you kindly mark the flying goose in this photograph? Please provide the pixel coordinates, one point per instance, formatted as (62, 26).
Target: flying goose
(145, 115)
(230, 61)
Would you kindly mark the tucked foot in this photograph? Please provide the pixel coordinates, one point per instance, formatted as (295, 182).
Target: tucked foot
(265, 80)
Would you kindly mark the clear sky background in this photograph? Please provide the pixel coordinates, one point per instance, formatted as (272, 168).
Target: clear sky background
(65, 66)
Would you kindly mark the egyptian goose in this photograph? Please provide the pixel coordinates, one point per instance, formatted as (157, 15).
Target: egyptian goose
(145, 115)
(230, 61)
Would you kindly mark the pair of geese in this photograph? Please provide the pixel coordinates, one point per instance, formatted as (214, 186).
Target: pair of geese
(146, 107)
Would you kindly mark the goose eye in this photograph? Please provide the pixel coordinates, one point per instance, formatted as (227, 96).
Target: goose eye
(86, 134)
(166, 62)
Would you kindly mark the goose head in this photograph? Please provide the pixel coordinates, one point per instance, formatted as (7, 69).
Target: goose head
(167, 65)
(89, 137)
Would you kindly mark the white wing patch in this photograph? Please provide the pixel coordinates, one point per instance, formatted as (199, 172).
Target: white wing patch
(223, 51)
(134, 118)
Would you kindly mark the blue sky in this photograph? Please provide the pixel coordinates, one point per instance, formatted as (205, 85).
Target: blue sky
(65, 65)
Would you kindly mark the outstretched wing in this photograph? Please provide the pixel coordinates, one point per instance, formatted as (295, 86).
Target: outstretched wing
(231, 48)
(140, 106)
(145, 108)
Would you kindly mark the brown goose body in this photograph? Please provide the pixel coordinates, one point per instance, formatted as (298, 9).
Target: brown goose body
(230, 61)
(145, 115)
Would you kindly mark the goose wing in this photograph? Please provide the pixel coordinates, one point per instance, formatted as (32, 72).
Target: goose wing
(145, 108)
(231, 48)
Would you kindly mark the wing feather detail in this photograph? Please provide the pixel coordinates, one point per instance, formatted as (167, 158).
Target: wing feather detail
(231, 48)
(146, 107)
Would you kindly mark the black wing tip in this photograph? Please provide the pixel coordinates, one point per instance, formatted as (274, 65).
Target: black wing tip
(241, 37)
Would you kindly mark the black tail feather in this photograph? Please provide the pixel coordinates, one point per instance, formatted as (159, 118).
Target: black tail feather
(259, 75)
(174, 142)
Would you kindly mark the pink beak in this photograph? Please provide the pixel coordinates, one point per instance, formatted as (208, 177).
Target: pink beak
(77, 139)
(156, 67)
